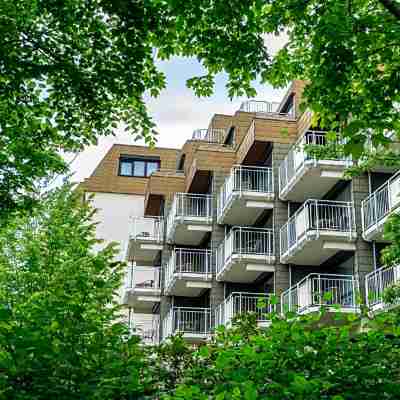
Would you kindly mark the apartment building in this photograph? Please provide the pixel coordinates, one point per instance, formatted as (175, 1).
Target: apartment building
(242, 212)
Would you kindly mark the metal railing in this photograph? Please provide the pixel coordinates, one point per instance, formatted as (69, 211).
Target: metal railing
(317, 216)
(381, 202)
(188, 261)
(139, 277)
(259, 106)
(245, 179)
(376, 282)
(297, 156)
(212, 135)
(245, 242)
(238, 303)
(317, 290)
(189, 320)
(148, 228)
(148, 332)
(187, 205)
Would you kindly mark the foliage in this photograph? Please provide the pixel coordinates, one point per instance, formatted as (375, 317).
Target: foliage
(59, 335)
(330, 151)
(291, 360)
(391, 295)
(74, 70)
(391, 254)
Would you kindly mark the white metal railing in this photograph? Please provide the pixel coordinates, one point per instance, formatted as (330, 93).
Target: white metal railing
(381, 202)
(188, 205)
(139, 277)
(317, 216)
(189, 320)
(148, 228)
(376, 282)
(297, 156)
(211, 135)
(188, 261)
(245, 242)
(238, 303)
(317, 290)
(259, 106)
(148, 332)
(244, 179)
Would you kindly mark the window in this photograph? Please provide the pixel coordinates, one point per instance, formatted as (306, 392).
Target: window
(138, 166)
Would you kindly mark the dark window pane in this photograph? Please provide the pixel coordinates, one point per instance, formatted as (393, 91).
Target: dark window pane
(151, 167)
(138, 168)
(126, 168)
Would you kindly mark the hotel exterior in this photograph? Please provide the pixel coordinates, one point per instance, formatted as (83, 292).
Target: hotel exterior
(242, 212)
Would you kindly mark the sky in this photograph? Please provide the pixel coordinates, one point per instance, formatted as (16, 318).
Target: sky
(176, 112)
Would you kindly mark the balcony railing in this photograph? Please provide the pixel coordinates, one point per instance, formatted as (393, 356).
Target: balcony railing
(266, 107)
(187, 261)
(378, 281)
(244, 179)
(212, 135)
(148, 229)
(381, 203)
(138, 277)
(297, 156)
(187, 320)
(317, 216)
(190, 206)
(245, 242)
(317, 290)
(147, 331)
(239, 303)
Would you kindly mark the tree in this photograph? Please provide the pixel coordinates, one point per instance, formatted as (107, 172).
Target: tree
(294, 360)
(72, 71)
(59, 330)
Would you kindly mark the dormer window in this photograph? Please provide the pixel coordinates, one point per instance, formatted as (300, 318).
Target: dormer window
(138, 167)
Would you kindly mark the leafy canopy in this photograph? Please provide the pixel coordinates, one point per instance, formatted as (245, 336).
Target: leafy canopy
(59, 335)
(74, 70)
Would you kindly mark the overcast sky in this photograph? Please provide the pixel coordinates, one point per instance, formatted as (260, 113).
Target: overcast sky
(177, 112)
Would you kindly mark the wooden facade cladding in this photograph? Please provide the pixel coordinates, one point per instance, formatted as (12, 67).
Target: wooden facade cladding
(162, 185)
(275, 130)
(304, 122)
(105, 177)
(206, 159)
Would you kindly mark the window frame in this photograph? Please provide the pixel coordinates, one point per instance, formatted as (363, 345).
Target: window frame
(132, 160)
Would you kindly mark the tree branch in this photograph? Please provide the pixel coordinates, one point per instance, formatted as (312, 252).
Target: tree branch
(392, 6)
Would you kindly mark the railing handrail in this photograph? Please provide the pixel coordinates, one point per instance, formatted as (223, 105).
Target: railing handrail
(344, 277)
(130, 280)
(345, 204)
(383, 186)
(295, 295)
(381, 282)
(270, 106)
(204, 133)
(195, 195)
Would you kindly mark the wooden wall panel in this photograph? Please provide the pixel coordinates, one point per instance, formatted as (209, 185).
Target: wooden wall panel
(105, 177)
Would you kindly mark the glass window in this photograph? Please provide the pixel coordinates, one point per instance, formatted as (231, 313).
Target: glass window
(126, 168)
(139, 168)
(151, 167)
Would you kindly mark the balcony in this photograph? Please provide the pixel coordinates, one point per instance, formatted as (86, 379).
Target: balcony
(302, 176)
(239, 303)
(317, 231)
(377, 282)
(190, 219)
(335, 292)
(245, 254)
(148, 331)
(142, 288)
(188, 272)
(211, 135)
(246, 193)
(378, 206)
(265, 108)
(146, 239)
(192, 323)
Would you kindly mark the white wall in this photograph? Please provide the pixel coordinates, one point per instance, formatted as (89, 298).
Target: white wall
(114, 217)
